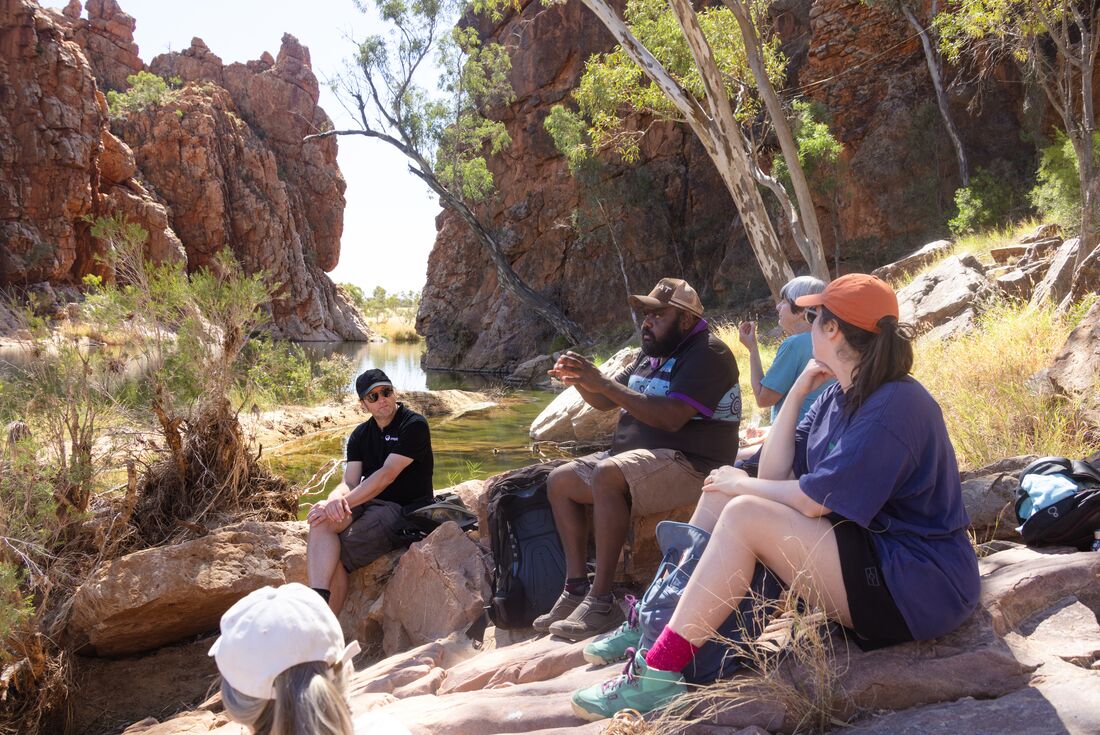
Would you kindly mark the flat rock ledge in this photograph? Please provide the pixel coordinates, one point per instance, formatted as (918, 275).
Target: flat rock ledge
(1027, 661)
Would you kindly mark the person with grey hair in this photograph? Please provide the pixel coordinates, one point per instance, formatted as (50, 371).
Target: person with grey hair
(283, 663)
(770, 388)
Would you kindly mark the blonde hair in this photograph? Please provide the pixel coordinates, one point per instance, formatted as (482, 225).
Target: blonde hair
(309, 698)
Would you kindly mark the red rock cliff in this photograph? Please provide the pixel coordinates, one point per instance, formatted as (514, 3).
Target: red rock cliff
(670, 214)
(224, 166)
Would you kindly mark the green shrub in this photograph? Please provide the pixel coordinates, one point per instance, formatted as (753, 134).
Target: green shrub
(1057, 195)
(281, 373)
(986, 203)
(145, 90)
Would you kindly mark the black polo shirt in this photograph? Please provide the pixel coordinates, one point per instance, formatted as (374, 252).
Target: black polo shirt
(408, 435)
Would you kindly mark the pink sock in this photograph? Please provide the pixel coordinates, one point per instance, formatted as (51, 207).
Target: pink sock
(670, 652)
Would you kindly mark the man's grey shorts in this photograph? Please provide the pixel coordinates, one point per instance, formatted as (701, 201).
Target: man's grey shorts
(373, 532)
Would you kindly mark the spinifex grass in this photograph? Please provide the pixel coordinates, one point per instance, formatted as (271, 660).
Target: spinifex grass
(983, 382)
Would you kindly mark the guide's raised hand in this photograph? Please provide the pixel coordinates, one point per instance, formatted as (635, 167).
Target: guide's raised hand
(578, 370)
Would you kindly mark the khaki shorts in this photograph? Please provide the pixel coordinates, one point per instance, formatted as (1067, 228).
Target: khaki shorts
(660, 480)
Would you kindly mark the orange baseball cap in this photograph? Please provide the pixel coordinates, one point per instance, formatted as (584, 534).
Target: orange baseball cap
(857, 298)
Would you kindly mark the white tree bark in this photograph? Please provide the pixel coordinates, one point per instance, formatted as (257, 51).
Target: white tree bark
(715, 127)
(804, 224)
(941, 96)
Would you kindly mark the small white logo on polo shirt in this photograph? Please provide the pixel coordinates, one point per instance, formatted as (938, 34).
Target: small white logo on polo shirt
(389, 438)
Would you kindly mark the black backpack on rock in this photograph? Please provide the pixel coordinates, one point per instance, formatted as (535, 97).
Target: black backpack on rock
(1072, 520)
(528, 561)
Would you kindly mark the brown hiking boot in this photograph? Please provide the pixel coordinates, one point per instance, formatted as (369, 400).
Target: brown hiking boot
(591, 617)
(565, 605)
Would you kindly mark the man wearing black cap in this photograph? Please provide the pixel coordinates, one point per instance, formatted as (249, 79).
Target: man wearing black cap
(679, 410)
(389, 466)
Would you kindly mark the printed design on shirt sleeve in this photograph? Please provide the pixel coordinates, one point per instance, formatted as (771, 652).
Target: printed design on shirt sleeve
(729, 407)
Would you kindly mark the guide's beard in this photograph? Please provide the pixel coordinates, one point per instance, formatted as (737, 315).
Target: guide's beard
(653, 347)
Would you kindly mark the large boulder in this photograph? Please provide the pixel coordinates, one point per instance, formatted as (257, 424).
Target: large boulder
(945, 293)
(1076, 368)
(569, 419)
(916, 260)
(361, 616)
(157, 596)
(989, 495)
(440, 586)
(1059, 276)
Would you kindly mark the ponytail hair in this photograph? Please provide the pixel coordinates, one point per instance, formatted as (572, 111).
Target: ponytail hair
(885, 356)
(309, 698)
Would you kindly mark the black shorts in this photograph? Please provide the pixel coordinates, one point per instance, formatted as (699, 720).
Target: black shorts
(876, 620)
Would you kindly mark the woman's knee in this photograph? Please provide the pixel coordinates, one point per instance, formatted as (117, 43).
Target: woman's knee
(747, 512)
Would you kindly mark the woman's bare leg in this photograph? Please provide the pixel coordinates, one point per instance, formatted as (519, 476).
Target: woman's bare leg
(708, 509)
(801, 551)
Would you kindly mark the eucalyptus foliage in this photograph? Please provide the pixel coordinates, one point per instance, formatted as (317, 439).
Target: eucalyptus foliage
(613, 87)
(447, 130)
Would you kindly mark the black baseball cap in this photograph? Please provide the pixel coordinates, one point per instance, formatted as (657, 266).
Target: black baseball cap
(370, 380)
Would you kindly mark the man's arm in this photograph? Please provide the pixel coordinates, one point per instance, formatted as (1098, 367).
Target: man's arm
(353, 491)
(379, 480)
(667, 414)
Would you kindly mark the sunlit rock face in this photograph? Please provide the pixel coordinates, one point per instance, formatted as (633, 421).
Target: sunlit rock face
(223, 165)
(573, 239)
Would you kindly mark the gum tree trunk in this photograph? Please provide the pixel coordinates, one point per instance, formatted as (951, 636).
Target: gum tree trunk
(715, 128)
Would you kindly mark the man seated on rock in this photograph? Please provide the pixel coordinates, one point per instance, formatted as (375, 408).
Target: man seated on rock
(389, 467)
(680, 409)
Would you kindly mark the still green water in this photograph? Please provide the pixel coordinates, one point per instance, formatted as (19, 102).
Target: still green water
(474, 446)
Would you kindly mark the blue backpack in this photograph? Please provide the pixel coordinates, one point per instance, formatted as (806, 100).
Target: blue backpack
(682, 545)
(1072, 518)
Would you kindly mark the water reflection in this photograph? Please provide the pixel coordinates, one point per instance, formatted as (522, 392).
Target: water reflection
(400, 361)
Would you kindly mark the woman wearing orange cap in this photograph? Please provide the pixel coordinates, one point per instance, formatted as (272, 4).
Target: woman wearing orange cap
(858, 506)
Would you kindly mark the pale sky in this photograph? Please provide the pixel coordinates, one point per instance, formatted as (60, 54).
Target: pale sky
(389, 221)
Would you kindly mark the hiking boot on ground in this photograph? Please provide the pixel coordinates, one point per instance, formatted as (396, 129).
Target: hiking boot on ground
(565, 605)
(591, 617)
(614, 646)
(638, 688)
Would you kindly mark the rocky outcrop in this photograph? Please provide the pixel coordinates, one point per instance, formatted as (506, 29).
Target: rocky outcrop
(230, 168)
(440, 585)
(224, 185)
(946, 298)
(162, 595)
(670, 214)
(1032, 644)
(51, 121)
(107, 37)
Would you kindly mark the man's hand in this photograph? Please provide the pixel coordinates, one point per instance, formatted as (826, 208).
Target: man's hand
(574, 369)
(333, 509)
(724, 480)
(746, 333)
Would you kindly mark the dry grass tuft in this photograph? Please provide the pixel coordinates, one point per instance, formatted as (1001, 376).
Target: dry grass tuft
(791, 673)
(984, 384)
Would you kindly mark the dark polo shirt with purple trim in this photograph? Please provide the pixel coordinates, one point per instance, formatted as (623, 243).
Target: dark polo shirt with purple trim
(701, 372)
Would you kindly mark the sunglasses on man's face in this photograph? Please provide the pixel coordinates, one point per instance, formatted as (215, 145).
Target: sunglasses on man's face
(810, 314)
(374, 395)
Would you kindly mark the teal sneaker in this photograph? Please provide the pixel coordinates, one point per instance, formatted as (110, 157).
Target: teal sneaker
(638, 688)
(612, 647)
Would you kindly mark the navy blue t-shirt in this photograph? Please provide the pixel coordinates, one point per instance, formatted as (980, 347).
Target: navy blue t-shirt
(891, 468)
